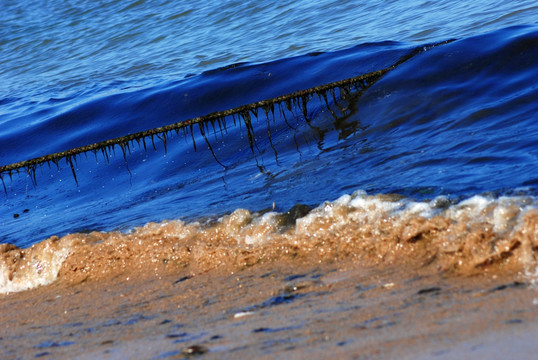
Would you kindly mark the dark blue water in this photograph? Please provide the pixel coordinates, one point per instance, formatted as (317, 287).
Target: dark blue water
(457, 119)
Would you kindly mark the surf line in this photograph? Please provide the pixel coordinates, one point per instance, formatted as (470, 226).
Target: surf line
(298, 99)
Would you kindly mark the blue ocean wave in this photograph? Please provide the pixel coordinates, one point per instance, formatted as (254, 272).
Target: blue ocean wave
(457, 119)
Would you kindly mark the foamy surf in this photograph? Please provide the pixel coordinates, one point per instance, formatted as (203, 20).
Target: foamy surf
(471, 235)
(23, 269)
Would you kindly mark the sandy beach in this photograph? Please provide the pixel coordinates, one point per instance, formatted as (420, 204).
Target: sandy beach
(287, 310)
(251, 286)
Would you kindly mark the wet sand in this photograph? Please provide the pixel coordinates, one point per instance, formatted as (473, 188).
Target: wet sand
(350, 279)
(291, 309)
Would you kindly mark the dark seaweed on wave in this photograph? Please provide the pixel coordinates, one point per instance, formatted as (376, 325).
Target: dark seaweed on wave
(297, 100)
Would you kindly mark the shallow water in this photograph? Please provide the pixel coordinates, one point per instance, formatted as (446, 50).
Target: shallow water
(455, 121)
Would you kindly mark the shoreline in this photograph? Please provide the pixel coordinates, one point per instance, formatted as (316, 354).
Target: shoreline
(288, 308)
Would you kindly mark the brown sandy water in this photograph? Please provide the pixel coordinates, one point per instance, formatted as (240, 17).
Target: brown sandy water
(360, 277)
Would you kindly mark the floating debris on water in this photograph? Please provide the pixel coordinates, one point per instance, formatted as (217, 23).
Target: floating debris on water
(339, 89)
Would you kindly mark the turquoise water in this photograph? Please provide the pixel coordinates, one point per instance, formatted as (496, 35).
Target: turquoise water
(456, 120)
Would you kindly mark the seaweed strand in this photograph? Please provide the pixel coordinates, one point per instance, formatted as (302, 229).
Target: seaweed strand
(361, 82)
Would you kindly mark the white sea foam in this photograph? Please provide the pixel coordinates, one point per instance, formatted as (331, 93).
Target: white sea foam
(502, 214)
(41, 269)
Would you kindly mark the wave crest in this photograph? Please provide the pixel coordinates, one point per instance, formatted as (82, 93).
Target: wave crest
(477, 234)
